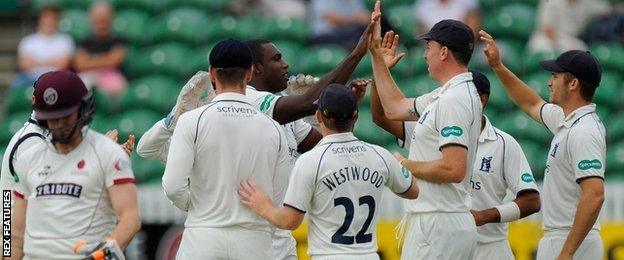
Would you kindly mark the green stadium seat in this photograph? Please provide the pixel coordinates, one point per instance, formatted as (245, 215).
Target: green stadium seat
(209, 5)
(105, 104)
(532, 59)
(510, 52)
(76, 23)
(15, 121)
(182, 24)
(615, 158)
(135, 122)
(608, 92)
(415, 59)
(231, 27)
(285, 28)
(162, 58)
(498, 96)
(101, 123)
(604, 113)
(5, 134)
(424, 84)
(367, 131)
(512, 21)
(615, 127)
(408, 87)
(365, 67)
(146, 171)
(611, 56)
(196, 60)
(520, 125)
(9, 6)
(536, 156)
(322, 59)
(19, 100)
(402, 17)
(154, 92)
(132, 24)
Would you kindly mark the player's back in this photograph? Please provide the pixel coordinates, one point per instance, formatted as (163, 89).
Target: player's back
(7, 180)
(349, 176)
(233, 142)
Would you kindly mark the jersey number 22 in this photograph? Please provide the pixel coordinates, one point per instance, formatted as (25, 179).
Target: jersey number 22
(360, 237)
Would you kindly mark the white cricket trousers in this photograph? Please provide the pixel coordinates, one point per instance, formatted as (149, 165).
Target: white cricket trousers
(234, 243)
(285, 247)
(373, 256)
(499, 250)
(439, 236)
(551, 244)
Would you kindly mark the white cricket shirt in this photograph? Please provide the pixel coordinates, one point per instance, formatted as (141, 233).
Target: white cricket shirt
(452, 118)
(339, 183)
(577, 151)
(214, 148)
(67, 194)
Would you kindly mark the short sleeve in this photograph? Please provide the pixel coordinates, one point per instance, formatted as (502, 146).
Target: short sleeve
(265, 102)
(453, 121)
(408, 134)
(422, 101)
(587, 153)
(118, 168)
(301, 186)
(552, 116)
(399, 178)
(20, 187)
(517, 172)
(301, 129)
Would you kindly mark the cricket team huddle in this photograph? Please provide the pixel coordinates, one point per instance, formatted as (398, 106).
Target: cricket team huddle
(249, 152)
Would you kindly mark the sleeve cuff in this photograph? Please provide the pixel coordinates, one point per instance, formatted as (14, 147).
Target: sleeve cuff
(452, 144)
(579, 179)
(17, 194)
(542, 115)
(295, 208)
(124, 181)
(408, 188)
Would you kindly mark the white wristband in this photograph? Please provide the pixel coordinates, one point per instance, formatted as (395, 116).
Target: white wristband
(508, 212)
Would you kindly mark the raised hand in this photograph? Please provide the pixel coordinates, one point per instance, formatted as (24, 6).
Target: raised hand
(491, 50)
(128, 146)
(388, 50)
(358, 86)
(363, 43)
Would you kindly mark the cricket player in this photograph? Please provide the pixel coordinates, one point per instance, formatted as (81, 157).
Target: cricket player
(500, 166)
(270, 75)
(77, 186)
(573, 190)
(210, 153)
(338, 182)
(439, 223)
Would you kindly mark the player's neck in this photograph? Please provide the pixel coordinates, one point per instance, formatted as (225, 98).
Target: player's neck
(572, 104)
(65, 148)
(230, 89)
(450, 72)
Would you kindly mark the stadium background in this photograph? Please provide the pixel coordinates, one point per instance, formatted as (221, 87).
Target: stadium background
(170, 40)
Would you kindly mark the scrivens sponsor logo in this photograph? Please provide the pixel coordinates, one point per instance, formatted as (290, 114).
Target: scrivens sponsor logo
(236, 110)
(59, 189)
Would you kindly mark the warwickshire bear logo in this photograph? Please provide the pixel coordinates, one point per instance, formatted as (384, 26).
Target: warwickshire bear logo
(451, 130)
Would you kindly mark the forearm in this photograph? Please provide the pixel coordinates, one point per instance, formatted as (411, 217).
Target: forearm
(522, 95)
(394, 103)
(379, 117)
(586, 215)
(278, 216)
(17, 246)
(526, 203)
(129, 224)
(435, 171)
(291, 108)
(154, 144)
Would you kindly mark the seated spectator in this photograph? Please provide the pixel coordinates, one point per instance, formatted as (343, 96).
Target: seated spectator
(338, 21)
(429, 12)
(561, 22)
(273, 8)
(43, 51)
(100, 56)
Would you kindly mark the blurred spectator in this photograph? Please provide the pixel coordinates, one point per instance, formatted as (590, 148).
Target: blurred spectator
(561, 22)
(429, 12)
(43, 51)
(100, 56)
(274, 8)
(607, 28)
(338, 21)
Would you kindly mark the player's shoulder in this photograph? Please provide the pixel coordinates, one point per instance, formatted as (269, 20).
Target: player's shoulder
(102, 143)
(506, 138)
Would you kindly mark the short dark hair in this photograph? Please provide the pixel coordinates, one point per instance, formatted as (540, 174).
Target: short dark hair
(231, 76)
(255, 45)
(587, 90)
(342, 127)
(460, 57)
(53, 9)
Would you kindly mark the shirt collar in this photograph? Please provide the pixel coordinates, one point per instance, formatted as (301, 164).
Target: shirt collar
(454, 81)
(231, 96)
(578, 113)
(336, 138)
(488, 133)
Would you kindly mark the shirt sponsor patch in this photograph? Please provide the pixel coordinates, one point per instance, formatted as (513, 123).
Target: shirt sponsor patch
(266, 103)
(527, 177)
(589, 164)
(62, 189)
(452, 130)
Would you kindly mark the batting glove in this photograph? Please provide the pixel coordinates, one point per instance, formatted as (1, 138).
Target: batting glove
(301, 83)
(105, 250)
(190, 97)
